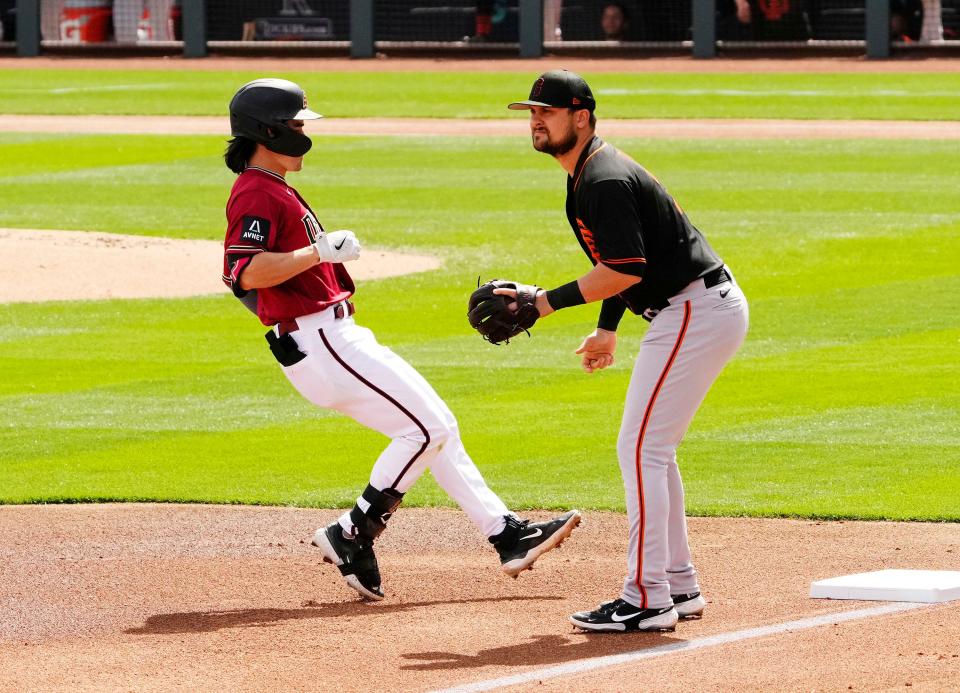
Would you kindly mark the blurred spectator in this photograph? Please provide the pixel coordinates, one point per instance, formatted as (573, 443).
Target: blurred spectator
(906, 20)
(50, 17)
(142, 20)
(615, 22)
(735, 21)
(916, 20)
(490, 12)
(552, 9)
(483, 21)
(762, 20)
(932, 28)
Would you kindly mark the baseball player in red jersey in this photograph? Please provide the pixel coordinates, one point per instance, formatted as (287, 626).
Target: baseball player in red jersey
(647, 257)
(282, 264)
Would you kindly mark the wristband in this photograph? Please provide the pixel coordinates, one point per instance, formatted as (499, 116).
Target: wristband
(565, 296)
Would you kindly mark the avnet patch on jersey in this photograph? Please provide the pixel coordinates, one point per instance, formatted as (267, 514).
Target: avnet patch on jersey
(255, 230)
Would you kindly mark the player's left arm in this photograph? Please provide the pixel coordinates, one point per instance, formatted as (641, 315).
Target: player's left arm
(599, 283)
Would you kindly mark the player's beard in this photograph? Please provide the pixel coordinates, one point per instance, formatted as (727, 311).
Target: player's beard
(556, 147)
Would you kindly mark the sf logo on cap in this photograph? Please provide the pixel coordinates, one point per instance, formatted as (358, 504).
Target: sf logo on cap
(537, 87)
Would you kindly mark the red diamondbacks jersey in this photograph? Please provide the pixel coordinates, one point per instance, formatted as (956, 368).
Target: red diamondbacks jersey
(266, 214)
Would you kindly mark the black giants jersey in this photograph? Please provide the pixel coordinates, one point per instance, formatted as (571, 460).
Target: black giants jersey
(624, 218)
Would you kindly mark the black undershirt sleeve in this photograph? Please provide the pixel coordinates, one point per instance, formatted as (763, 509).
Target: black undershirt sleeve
(611, 311)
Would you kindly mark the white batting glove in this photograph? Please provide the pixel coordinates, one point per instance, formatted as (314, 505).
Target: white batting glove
(338, 246)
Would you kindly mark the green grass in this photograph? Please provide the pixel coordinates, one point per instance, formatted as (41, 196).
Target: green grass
(842, 403)
(903, 96)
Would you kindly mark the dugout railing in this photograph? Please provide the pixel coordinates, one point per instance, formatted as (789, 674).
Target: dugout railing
(528, 28)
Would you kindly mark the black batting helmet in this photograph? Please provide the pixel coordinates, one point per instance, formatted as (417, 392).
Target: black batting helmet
(260, 111)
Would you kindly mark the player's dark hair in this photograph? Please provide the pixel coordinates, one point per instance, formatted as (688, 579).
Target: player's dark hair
(238, 153)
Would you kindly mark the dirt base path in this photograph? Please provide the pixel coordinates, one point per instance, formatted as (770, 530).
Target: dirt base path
(157, 597)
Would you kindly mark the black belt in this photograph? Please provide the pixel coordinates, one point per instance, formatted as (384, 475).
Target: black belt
(717, 276)
(710, 280)
(339, 313)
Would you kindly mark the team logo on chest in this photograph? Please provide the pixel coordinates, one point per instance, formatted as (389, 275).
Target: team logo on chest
(313, 227)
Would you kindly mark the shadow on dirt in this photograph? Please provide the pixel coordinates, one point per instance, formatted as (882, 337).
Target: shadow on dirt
(543, 649)
(209, 621)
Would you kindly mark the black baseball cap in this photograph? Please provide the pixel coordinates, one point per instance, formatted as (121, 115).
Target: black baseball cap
(558, 89)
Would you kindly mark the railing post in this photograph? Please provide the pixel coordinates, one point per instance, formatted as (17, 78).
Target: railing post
(194, 28)
(704, 28)
(878, 29)
(362, 44)
(28, 28)
(531, 28)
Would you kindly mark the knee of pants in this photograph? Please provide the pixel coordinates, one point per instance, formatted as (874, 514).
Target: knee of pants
(650, 452)
(436, 432)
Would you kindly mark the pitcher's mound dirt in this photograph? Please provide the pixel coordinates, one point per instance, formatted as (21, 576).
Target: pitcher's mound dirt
(85, 265)
(160, 597)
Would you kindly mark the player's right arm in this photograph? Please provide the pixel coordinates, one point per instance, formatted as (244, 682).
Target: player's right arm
(597, 350)
(252, 227)
(254, 222)
(269, 269)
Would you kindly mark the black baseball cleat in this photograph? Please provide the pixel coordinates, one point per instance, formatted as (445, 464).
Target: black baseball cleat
(354, 558)
(689, 605)
(522, 542)
(619, 616)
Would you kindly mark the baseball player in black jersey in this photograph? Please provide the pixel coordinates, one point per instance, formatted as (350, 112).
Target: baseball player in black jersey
(650, 259)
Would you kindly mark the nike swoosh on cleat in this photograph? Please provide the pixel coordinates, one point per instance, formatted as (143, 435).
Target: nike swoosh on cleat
(536, 533)
(620, 619)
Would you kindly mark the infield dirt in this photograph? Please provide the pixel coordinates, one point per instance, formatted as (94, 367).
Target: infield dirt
(161, 597)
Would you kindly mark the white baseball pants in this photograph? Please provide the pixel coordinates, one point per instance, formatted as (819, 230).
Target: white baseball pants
(685, 348)
(347, 370)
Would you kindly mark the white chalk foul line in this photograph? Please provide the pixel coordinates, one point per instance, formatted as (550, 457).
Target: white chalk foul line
(584, 665)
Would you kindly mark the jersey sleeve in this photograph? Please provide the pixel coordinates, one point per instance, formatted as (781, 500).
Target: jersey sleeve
(251, 230)
(613, 211)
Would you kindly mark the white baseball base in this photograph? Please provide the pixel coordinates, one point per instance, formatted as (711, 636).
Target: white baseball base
(927, 586)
